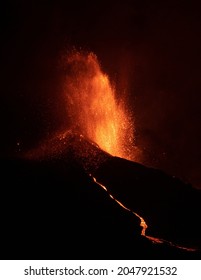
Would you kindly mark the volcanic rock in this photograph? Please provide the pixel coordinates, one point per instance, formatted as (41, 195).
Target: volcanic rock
(52, 208)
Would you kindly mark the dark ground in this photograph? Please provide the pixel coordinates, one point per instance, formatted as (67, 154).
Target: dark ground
(52, 209)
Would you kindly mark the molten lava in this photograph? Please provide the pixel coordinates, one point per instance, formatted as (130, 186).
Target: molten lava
(93, 107)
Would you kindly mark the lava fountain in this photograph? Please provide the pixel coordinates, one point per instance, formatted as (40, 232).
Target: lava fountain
(93, 108)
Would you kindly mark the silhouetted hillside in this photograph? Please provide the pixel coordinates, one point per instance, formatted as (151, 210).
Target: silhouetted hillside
(51, 208)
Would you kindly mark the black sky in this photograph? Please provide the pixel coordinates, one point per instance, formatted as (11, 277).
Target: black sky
(150, 47)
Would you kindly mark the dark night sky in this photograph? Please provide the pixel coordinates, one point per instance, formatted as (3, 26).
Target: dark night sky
(150, 47)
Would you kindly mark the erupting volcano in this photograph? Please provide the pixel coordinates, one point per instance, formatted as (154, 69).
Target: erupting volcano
(99, 115)
(84, 185)
(93, 107)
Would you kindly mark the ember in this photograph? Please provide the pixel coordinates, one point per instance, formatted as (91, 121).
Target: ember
(93, 107)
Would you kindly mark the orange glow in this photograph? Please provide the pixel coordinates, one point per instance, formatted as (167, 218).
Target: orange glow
(93, 107)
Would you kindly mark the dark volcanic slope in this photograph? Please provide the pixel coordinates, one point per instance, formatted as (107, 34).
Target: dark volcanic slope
(52, 209)
(171, 208)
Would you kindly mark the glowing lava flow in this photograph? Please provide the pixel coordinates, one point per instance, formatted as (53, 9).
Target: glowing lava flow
(142, 221)
(93, 108)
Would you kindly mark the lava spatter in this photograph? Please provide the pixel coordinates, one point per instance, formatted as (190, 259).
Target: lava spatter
(93, 108)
